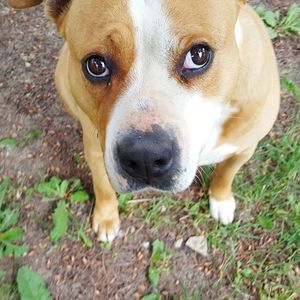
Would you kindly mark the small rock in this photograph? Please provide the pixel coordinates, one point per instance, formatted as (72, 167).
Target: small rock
(163, 209)
(146, 245)
(178, 244)
(27, 64)
(198, 244)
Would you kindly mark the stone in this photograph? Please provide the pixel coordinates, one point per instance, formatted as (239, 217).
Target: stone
(198, 244)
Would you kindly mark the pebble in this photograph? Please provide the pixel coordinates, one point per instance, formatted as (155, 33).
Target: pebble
(146, 245)
(198, 244)
(178, 244)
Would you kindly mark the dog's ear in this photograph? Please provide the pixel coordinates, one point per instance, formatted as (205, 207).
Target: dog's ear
(21, 4)
(57, 8)
(242, 2)
(56, 11)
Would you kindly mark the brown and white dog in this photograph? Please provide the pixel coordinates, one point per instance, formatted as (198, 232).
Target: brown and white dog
(162, 87)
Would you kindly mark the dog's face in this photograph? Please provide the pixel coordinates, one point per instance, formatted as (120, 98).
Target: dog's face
(156, 77)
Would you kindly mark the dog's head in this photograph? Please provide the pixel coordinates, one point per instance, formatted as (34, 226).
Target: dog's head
(156, 77)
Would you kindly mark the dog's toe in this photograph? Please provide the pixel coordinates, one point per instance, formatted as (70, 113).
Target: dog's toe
(106, 228)
(223, 211)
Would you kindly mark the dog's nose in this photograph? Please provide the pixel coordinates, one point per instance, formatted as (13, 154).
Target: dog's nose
(147, 156)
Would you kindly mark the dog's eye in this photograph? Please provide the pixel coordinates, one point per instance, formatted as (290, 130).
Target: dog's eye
(197, 59)
(96, 68)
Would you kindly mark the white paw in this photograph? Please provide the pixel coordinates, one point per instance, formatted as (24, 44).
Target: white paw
(222, 211)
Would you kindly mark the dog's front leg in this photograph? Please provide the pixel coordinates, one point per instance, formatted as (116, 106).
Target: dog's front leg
(222, 202)
(106, 221)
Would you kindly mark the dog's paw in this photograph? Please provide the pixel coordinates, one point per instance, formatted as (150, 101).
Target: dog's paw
(107, 229)
(222, 211)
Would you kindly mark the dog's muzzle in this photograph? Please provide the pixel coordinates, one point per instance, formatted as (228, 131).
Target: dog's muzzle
(148, 159)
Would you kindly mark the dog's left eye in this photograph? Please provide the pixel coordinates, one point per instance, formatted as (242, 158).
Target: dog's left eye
(197, 59)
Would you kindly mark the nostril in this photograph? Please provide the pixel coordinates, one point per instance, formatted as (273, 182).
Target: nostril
(160, 163)
(132, 165)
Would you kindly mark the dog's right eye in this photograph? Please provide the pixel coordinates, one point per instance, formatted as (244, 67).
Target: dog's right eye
(96, 69)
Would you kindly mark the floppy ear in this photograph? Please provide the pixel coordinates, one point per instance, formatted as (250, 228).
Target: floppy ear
(20, 4)
(56, 11)
(242, 1)
(56, 8)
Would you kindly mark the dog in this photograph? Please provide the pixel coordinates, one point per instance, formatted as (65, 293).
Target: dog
(162, 87)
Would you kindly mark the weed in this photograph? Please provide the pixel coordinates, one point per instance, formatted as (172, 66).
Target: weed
(160, 256)
(29, 136)
(12, 142)
(31, 285)
(8, 143)
(278, 25)
(9, 234)
(65, 193)
(8, 291)
(123, 203)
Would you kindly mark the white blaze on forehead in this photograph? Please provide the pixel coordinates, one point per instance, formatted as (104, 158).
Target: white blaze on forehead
(152, 43)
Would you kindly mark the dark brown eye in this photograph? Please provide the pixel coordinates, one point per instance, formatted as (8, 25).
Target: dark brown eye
(96, 67)
(197, 59)
(200, 55)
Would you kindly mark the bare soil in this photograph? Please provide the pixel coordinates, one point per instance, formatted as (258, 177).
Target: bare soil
(29, 49)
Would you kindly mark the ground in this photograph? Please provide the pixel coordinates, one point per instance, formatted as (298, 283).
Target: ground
(247, 260)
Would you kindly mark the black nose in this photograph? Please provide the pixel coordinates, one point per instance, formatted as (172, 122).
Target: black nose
(147, 156)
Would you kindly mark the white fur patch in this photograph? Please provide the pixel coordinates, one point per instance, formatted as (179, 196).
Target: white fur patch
(215, 155)
(239, 35)
(222, 211)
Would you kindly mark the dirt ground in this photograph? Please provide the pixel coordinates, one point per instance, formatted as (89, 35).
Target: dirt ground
(29, 48)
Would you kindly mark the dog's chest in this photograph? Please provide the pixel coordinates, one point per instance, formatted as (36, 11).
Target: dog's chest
(216, 155)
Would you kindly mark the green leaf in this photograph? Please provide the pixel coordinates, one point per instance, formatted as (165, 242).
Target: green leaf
(50, 189)
(261, 10)
(153, 276)
(60, 220)
(247, 272)
(152, 297)
(63, 188)
(76, 185)
(272, 33)
(11, 235)
(15, 250)
(8, 143)
(158, 251)
(31, 286)
(123, 202)
(266, 222)
(80, 196)
(8, 218)
(4, 186)
(271, 18)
